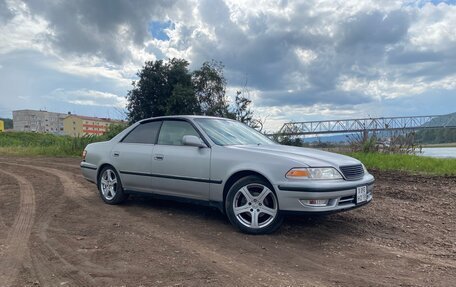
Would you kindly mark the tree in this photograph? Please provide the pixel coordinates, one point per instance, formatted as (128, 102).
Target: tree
(8, 123)
(210, 87)
(242, 110)
(182, 101)
(149, 93)
(154, 93)
(168, 88)
(287, 139)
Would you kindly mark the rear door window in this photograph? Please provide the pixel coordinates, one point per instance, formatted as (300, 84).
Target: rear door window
(145, 133)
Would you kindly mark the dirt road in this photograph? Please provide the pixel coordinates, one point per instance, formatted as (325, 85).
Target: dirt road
(55, 231)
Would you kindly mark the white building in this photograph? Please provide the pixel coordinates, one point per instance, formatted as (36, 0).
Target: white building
(38, 121)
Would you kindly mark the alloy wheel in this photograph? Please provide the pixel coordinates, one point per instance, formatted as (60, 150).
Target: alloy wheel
(255, 206)
(108, 184)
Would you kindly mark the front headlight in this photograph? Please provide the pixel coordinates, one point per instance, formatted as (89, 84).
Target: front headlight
(313, 173)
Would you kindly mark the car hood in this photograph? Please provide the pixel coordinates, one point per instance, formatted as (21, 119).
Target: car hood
(301, 156)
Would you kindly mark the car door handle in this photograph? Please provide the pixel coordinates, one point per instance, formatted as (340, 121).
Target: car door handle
(116, 154)
(159, 157)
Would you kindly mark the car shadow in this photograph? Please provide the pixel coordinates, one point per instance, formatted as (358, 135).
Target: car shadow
(165, 206)
(335, 224)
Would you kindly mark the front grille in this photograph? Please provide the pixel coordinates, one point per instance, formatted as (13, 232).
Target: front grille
(352, 172)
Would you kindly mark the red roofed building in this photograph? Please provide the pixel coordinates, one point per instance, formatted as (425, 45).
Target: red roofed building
(75, 125)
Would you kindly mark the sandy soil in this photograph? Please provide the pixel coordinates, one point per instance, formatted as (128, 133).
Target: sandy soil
(56, 231)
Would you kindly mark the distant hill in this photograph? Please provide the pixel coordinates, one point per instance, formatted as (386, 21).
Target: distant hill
(445, 120)
(8, 123)
(437, 136)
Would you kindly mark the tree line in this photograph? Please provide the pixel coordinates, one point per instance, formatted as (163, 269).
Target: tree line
(7, 122)
(436, 136)
(170, 88)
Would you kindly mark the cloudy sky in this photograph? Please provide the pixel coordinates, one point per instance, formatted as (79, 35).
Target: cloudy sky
(301, 60)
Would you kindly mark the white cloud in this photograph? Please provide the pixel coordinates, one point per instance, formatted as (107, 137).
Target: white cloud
(306, 55)
(24, 31)
(94, 68)
(89, 98)
(389, 89)
(434, 27)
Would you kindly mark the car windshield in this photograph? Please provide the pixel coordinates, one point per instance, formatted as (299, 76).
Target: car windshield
(228, 132)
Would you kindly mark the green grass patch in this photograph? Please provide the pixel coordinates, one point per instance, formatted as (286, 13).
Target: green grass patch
(24, 144)
(407, 163)
(40, 144)
(36, 151)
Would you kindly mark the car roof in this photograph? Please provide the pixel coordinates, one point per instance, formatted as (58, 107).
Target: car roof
(183, 117)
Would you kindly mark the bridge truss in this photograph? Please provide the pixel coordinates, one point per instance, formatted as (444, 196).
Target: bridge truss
(367, 125)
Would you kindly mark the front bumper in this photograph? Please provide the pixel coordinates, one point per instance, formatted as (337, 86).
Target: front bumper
(341, 194)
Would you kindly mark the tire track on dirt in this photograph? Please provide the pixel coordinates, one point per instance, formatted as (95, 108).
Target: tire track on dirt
(18, 236)
(71, 187)
(5, 196)
(74, 189)
(227, 264)
(65, 272)
(61, 271)
(45, 163)
(205, 254)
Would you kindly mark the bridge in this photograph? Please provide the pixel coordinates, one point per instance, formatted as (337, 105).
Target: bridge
(366, 125)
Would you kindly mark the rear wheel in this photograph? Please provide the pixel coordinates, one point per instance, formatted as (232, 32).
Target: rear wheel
(110, 187)
(252, 206)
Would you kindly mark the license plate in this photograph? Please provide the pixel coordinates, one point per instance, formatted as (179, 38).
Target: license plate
(361, 194)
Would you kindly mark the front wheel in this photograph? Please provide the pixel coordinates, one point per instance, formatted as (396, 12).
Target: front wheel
(110, 187)
(252, 206)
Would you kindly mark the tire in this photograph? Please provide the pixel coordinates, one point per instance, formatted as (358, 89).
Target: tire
(252, 206)
(110, 186)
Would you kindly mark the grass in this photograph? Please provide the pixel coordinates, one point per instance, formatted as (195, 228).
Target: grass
(40, 144)
(35, 151)
(33, 144)
(407, 163)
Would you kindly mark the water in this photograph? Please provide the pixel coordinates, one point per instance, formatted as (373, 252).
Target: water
(442, 152)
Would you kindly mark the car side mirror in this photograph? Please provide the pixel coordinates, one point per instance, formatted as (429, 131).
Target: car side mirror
(193, 141)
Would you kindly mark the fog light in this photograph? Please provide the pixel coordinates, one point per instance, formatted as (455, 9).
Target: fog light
(315, 202)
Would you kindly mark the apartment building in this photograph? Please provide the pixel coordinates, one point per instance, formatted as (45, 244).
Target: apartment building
(38, 121)
(59, 123)
(75, 125)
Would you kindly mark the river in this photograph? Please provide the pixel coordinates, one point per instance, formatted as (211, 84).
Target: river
(442, 152)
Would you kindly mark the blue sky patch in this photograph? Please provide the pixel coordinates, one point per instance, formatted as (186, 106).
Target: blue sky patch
(157, 29)
(436, 2)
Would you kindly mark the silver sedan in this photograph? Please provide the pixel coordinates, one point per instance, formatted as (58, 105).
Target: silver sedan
(224, 163)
